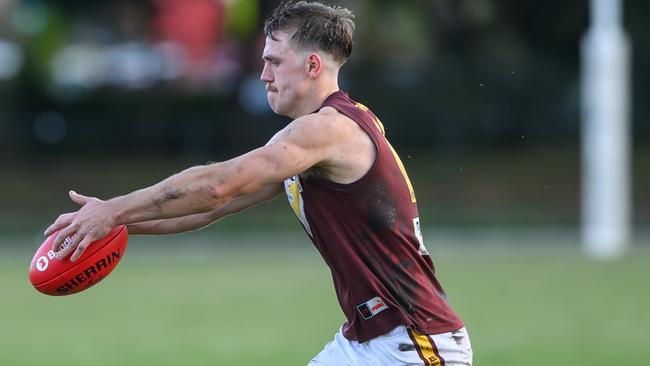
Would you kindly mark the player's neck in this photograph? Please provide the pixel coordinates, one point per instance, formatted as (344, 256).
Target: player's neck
(315, 99)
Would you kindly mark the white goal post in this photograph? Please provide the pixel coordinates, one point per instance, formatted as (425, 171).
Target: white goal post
(606, 137)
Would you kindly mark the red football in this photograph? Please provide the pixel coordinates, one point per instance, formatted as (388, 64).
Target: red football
(63, 277)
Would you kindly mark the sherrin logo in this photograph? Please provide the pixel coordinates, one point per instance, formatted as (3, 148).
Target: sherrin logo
(92, 274)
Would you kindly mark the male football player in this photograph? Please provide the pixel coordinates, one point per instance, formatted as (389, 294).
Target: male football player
(345, 183)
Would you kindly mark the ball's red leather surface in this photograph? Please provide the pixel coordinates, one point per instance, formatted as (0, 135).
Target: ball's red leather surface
(63, 277)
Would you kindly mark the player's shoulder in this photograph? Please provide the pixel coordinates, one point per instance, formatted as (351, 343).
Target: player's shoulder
(326, 127)
(327, 121)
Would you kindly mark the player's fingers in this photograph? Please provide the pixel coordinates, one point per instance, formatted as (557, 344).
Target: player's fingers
(78, 198)
(64, 233)
(67, 243)
(62, 221)
(81, 248)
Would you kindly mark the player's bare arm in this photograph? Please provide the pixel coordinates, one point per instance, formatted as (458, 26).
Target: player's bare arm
(200, 220)
(312, 140)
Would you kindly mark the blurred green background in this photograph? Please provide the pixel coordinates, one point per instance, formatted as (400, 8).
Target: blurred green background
(480, 98)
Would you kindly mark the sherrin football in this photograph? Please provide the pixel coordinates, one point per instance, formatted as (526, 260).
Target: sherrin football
(63, 277)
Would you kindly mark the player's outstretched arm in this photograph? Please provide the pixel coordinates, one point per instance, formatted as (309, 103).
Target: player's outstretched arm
(200, 220)
(306, 142)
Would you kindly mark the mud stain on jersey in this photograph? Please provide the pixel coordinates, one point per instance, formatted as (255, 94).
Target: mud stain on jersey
(393, 274)
(381, 209)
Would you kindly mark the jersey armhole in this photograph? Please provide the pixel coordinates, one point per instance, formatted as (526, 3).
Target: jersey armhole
(373, 137)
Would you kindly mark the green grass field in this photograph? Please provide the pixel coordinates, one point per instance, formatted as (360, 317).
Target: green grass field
(194, 304)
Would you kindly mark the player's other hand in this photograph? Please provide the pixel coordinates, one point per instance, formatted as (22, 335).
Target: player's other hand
(93, 221)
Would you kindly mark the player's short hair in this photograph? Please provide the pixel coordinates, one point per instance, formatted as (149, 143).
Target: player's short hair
(314, 26)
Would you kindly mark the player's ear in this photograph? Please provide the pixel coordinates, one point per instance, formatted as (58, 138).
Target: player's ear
(314, 65)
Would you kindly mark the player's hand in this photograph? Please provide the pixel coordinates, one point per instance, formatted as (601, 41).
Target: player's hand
(93, 221)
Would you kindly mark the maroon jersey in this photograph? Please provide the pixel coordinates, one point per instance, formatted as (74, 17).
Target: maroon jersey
(368, 232)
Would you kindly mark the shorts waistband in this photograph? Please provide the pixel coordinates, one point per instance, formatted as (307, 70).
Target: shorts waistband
(400, 329)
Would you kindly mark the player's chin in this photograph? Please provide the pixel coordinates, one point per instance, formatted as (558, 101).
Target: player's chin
(271, 97)
(275, 106)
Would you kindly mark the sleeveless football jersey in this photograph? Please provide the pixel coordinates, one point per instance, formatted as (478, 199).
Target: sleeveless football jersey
(368, 233)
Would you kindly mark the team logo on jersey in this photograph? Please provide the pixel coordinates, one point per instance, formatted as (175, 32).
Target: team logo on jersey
(372, 307)
(293, 188)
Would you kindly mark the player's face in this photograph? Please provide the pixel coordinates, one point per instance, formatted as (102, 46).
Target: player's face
(285, 75)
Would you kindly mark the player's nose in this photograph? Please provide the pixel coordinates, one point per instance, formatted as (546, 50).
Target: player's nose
(266, 76)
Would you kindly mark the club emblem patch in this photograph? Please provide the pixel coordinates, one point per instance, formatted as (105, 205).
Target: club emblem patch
(372, 307)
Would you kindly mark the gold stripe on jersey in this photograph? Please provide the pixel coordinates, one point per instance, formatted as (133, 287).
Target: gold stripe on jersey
(403, 170)
(380, 126)
(426, 349)
(361, 106)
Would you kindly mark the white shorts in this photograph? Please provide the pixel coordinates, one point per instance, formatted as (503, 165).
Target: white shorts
(401, 346)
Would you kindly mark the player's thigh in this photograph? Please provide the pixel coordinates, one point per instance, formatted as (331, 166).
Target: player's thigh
(337, 352)
(454, 348)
